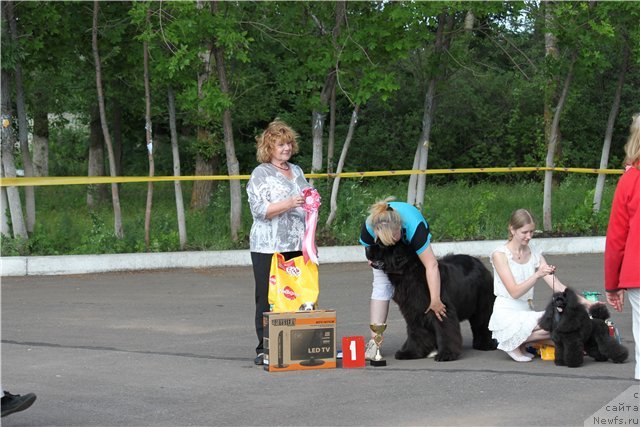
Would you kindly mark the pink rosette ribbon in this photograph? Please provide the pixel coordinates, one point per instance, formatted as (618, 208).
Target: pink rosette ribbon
(311, 206)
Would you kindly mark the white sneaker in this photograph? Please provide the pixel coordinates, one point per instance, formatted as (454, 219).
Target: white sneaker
(370, 350)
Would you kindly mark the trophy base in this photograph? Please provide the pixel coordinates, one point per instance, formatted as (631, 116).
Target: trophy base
(378, 362)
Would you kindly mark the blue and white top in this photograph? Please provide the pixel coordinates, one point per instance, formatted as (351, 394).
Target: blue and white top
(415, 229)
(284, 232)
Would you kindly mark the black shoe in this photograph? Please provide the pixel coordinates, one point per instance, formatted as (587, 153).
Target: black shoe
(259, 360)
(15, 403)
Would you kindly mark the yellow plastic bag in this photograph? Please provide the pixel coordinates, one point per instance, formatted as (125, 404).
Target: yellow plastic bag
(293, 284)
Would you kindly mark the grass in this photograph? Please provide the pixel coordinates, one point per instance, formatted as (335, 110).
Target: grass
(457, 210)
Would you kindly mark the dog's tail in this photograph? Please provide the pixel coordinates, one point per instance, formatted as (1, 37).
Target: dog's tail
(599, 311)
(606, 345)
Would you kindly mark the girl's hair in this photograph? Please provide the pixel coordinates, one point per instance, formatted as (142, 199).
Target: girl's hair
(632, 147)
(276, 131)
(385, 221)
(519, 219)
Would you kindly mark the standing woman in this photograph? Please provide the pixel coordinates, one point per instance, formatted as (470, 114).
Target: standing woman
(622, 248)
(275, 199)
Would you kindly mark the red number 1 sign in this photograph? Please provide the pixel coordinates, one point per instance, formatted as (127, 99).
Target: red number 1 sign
(353, 352)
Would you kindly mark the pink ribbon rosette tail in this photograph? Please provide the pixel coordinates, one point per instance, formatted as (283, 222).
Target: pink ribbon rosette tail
(311, 206)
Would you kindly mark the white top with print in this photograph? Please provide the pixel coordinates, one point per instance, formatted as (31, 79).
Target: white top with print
(284, 232)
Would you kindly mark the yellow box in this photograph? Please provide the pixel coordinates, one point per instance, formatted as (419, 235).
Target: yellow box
(547, 352)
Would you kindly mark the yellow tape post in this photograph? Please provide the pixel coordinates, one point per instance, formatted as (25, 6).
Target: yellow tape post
(88, 180)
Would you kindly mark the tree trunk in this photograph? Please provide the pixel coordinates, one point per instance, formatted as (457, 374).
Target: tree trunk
(149, 138)
(317, 115)
(332, 131)
(422, 151)
(41, 143)
(613, 113)
(413, 179)
(105, 129)
(5, 231)
(229, 145)
(202, 190)
(417, 183)
(469, 20)
(8, 162)
(96, 193)
(13, 195)
(343, 157)
(317, 126)
(116, 116)
(551, 148)
(551, 54)
(182, 226)
(23, 125)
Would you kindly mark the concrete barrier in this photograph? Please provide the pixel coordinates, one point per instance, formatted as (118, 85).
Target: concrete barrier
(83, 264)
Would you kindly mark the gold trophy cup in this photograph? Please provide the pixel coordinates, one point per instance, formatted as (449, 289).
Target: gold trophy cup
(378, 329)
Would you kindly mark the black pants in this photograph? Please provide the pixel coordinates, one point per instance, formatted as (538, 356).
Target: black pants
(261, 270)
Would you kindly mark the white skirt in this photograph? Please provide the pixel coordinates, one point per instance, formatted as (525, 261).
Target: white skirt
(512, 322)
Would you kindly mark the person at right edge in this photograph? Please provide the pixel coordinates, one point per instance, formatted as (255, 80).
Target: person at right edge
(622, 248)
(388, 223)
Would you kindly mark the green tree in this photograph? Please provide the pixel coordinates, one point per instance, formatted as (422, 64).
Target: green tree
(23, 131)
(115, 196)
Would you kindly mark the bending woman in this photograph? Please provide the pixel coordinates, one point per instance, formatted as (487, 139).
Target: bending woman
(388, 223)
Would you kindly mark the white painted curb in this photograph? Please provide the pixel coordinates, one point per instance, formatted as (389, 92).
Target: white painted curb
(83, 264)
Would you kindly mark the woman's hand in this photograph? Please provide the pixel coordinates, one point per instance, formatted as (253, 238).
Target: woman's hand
(616, 299)
(545, 269)
(296, 201)
(284, 205)
(438, 308)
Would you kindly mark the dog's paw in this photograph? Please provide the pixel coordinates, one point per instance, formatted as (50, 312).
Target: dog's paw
(406, 355)
(446, 356)
(485, 345)
(574, 365)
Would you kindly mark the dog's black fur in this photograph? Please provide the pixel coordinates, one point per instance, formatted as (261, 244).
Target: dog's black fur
(466, 288)
(573, 332)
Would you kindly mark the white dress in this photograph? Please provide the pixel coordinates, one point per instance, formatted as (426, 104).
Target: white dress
(513, 320)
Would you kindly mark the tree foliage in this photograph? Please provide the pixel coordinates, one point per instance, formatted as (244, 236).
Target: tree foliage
(490, 92)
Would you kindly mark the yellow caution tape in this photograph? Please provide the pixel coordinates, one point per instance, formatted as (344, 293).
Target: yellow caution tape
(84, 180)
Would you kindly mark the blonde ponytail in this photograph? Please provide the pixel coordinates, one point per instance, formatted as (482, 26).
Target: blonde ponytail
(385, 222)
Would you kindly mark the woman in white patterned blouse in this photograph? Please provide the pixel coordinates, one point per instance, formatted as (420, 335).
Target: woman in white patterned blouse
(275, 199)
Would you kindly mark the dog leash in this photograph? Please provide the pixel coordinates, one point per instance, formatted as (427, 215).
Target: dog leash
(553, 290)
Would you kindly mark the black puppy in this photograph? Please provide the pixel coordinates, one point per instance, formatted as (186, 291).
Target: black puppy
(574, 332)
(466, 288)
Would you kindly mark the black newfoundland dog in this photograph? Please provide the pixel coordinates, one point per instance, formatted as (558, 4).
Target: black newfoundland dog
(574, 332)
(466, 289)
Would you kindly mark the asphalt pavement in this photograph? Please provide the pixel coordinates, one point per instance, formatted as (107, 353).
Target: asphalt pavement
(175, 347)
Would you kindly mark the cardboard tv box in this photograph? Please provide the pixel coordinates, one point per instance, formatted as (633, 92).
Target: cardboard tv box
(299, 340)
